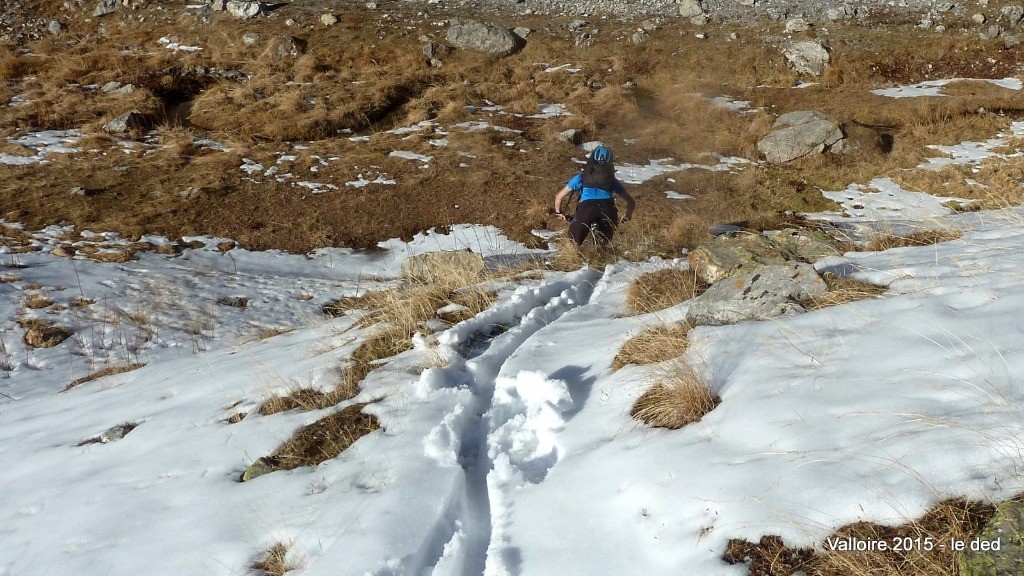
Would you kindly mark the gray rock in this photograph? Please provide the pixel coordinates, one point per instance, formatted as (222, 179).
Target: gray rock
(690, 8)
(218, 5)
(572, 136)
(250, 38)
(116, 432)
(430, 49)
(807, 57)
(576, 25)
(125, 123)
(1011, 40)
(1005, 527)
(1012, 14)
(111, 86)
(639, 37)
(991, 33)
(283, 46)
(728, 256)
(803, 245)
(263, 465)
(838, 13)
(765, 292)
(700, 20)
(55, 28)
(480, 37)
(371, 5)
(979, 18)
(798, 134)
(243, 9)
(104, 7)
(522, 31)
(431, 266)
(328, 19)
(797, 25)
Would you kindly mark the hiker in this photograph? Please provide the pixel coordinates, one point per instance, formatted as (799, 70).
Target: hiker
(597, 186)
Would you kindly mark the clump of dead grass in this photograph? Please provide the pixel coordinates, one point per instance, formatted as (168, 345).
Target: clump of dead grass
(36, 301)
(273, 562)
(109, 370)
(679, 397)
(885, 240)
(653, 345)
(662, 289)
(323, 439)
(952, 520)
(843, 290)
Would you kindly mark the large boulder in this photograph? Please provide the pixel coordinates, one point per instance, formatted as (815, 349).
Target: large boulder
(728, 256)
(486, 38)
(431, 267)
(807, 57)
(798, 134)
(765, 292)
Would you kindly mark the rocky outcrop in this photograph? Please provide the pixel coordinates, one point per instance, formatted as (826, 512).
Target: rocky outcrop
(798, 134)
(807, 57)
(480, 37)
(766, 292)
(732, 255)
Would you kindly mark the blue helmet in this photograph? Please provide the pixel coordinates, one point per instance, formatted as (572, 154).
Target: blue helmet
(601, 155)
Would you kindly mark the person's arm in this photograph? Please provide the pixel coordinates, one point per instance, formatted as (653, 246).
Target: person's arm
(558, 201)
(630, 203)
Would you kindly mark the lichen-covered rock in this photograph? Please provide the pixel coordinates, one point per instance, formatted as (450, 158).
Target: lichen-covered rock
(1007, 528)
(807, 57)
(802, 245)
(486, 38)
(798, 134)
(263, 465)
(766, 292)
(728, 256)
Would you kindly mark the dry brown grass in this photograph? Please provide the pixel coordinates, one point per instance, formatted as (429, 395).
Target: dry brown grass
(843, 290)
(995, 183)
(678, 397)
(662, 289)
(36, 301)
(273, 562)
(323, 439)
(885, 241)
(108, 370)
(656, 344)
(951, 520)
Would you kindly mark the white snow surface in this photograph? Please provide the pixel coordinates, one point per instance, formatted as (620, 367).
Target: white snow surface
(934, 87)
(517, 455)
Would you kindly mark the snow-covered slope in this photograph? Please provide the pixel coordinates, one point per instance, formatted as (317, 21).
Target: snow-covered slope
(516, 456)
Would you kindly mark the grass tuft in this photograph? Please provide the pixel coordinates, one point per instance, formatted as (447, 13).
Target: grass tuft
(102, 372)
(843, 290)
(324, 439)
(653, 345)
(885, 241)
(273, 562)
(662, 289)
(679, 398)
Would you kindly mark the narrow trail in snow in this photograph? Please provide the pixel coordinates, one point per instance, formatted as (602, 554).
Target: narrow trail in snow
(527, 313)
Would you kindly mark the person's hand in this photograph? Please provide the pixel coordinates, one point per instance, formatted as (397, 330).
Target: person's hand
(561, 217)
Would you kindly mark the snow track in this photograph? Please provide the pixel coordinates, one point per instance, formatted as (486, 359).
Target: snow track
(503, 433)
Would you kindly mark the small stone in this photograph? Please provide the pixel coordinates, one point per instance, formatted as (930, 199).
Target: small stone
(64, 251)
(700, 20)
(700, 36)
(1011, 40)
(289, 22)
(797, 25)
(430, 49)
(576, 25)
(572, 136)
(639, 37)
(261, 466)
(982, 2)
(250, 38)
(104, 7)
(116, 432)
(371, 5)
(111, 86)
(328, 19)
(55, 28)
(77, 191)
(978, 18)
(218, 5)
(690, 8)
(522, 31)
(124, 123)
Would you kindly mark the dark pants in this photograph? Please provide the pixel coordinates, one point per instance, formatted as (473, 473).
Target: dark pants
(599, 213)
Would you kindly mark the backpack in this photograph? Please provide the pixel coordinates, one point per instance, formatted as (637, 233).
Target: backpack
(596, 175)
